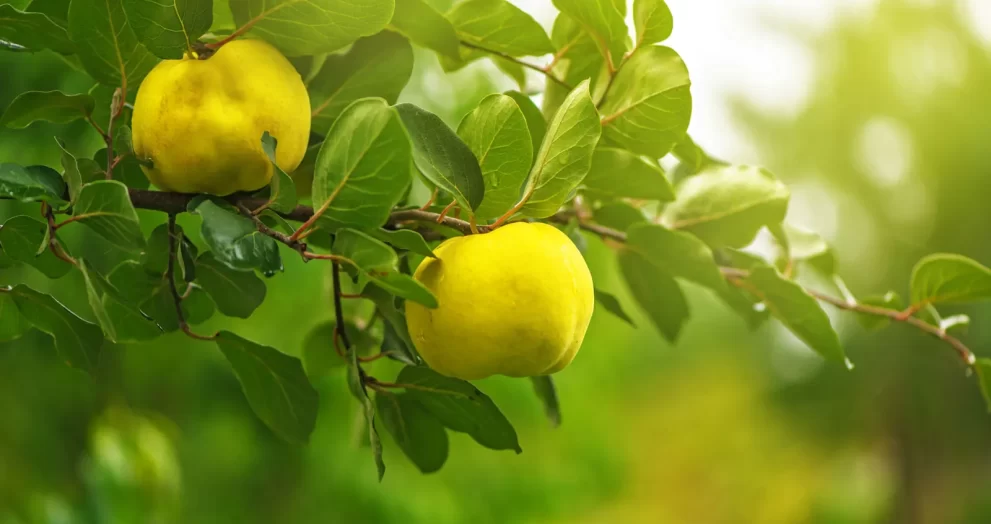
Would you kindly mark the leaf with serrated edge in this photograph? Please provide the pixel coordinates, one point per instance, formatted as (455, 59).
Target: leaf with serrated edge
(107, 45)
(421, 437)
(500, 26)
(170, 27)
(78, 342)
(945, 278)
(105, 207)
(33, 31)
(236, 293)
(47, 106)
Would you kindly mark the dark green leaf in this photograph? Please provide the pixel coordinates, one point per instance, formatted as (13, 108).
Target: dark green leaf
(12, 323)
(22, 237)
(155, 257)
(649, 104)
(405, 239)
(496, 131)
(547, 393)
(653, 21)
(797, 310)
(34, 31)
(945, 278)
(618, 173)
(983, 367)
(421, 437)
(169, 28)
(460, 406)
(57, 10)
(442, 157)
(120, 321)
(656, 292)
(309, 27)
(78, 342)
(604, 20)
(619, 216)
(500, 26)
(105, 207)
(611, 304)
(565, 156)
(727, 206)
(535, 122)
(106, 43)
(48, 106)
(357, 387)
(275, 384)
(32, 184)
(281, 190)
(422, 24)
(128, 169)
(377, 66)
(236, 293)
(363, 168)
(236, 242)
(679, 254)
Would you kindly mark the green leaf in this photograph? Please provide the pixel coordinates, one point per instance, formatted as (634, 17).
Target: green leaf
(309, 27)
(809, 246)
(727, 206)
(71, 172)
(107, 45)
(653, 21)
(535, 122)
(22, 237)
(496, 131)
(236, 293)
(378, 261)
(137, 286)
(983, 368)
(611, 304)
(46, 106)
(649, 104)
(680, 254)
(120, 321)
(619, 216)
(565, 156)
(155, 257)
(33, 31)
(443, 157)
(405, 286)
(889, 300)
(78, 342)
(319, 354)
(579, 59)
(422, 24)
(945, 278)
(421, 437)
(618, 173)
(363, 167)
(236, 242)
(500, 26)
(12, 323)
(797, 310)
(32, 184)
(123, 140)
(57, 10)
(544, 387)
(405, 239)
(275, 385)
(169, 28)
(357, 386)
(377, 66)
(396, 339)
(656, 292)
(460, 406)
(282, 190)
(105, 207)
(604, 20)
(512, 69)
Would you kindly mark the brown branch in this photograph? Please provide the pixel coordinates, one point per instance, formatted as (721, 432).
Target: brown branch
(532, 67)
(299, 247)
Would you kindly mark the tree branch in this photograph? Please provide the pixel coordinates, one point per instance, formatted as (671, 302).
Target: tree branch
(339, 329)
(170, 276)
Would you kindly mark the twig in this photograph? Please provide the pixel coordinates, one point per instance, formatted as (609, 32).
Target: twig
(170, 276)
(338, 308)
(116, 107)
(523, 63)
(53, 244)
(296, 245)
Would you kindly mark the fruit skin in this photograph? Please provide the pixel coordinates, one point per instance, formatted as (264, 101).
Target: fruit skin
(516, 301)
(200, 122)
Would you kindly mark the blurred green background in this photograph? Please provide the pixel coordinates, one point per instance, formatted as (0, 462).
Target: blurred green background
(876, 113)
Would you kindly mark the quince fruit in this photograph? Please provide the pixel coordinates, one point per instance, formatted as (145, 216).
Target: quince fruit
(198, 124)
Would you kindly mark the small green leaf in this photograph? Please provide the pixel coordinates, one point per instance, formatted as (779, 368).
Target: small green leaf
(945, 278)
(378, 261)
(107, 45)
(460, 406)
(309, 27)
(809, 246)
(396, 339)
(105, 207)
(357, 386)
(33, 31)
(565, 156)
(363, 168)
(78, 342)
(443, 157)
(656, 292)
(275, 385)
(421, 437)
(983, 367)
(169, 28)
(12, 323)
(120, 321)
(236, 242)
(889, 300)
(236, 293)
(653, 21)
(619, 216)
(32, 184)
(47, 106)
(405, 286)
(649, 104)
(544, 387)
(611, 304)
(618, 173)
(797, 310)
(500, 26)
(281, 190)
(604, 20)
(535, 122)
(727, 206)
(496, 131)
(679, 254)
(377, 66)
(405, 239)
(22, 237)
(123, 140)
(422, 24)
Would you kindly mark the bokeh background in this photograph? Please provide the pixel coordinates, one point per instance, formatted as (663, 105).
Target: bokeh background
(877, 113)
